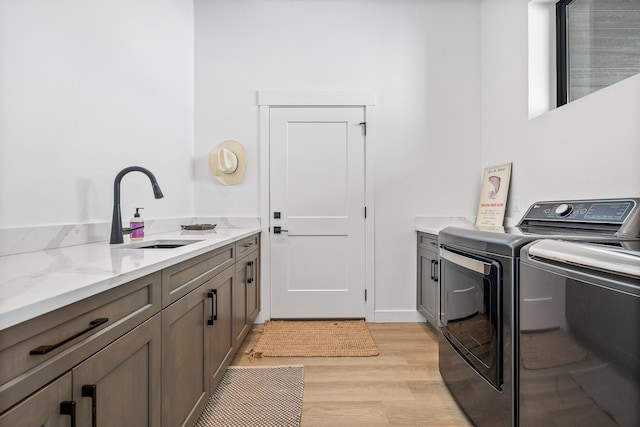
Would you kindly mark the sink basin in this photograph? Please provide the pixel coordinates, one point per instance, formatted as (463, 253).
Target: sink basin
(159, 244)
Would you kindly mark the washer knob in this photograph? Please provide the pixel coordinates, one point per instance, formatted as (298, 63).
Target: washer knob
(564, 210)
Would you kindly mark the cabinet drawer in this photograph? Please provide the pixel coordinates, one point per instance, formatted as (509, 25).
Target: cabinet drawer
(35, 352)
(247, 245)
(180, 279)
(42, 408)
(428, 241)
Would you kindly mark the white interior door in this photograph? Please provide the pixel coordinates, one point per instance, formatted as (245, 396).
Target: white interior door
(317, 188)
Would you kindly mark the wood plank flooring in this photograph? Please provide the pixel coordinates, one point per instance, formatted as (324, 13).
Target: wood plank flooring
(400, 387)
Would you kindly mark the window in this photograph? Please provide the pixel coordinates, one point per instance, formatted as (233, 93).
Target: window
(598, 44)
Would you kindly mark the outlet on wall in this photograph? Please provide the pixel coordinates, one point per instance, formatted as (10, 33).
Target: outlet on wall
(517, 204)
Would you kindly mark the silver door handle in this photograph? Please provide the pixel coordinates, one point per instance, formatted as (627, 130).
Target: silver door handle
(466, 262)
(278, 230)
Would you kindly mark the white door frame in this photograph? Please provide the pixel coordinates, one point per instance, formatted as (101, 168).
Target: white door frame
(268, 99)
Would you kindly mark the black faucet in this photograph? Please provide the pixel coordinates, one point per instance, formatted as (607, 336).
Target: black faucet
(116, 220)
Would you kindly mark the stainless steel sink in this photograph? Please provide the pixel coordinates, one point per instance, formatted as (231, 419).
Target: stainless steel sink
(159, 244)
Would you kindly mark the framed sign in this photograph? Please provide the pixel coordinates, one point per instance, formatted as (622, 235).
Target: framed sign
(493, 196)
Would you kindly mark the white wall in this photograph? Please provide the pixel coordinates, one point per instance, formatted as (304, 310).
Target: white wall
(422, 59)
(87, 88)
(589, 148)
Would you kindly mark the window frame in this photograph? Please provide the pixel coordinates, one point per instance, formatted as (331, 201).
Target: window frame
(562, 61)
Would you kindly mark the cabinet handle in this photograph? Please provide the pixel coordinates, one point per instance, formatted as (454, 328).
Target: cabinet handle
(44, 349)
(92, 392)
(253, 271)
(68, 407)
(250, 275)
(436, 271)
(431, 272)
(247, 245)
(213, 294)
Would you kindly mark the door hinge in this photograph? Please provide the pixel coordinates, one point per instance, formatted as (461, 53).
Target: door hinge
(364, 127)
(365, 294)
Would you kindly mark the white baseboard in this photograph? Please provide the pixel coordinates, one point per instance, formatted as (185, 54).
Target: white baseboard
(397, 316)
(381, 316)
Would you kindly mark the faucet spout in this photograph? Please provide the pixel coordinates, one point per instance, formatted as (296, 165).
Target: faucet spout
(116, 218)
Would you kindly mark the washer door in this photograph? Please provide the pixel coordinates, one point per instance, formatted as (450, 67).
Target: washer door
(471, 318)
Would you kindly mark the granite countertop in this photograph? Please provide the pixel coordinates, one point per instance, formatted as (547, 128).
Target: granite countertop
(35, 283)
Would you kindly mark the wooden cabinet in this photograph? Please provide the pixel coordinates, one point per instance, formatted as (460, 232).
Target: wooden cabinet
(146, 353)
(252, 286)
(246, 245)
(120, 384)
(37, 351)
(246, 297)
(196, 332)
(428, 295)
(185, 361)
(52, 406)
(202, 329)
(180, 279)
(221, 343)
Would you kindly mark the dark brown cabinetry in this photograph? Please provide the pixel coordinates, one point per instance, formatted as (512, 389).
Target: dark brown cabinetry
(428, 278)
(120, 385)
(198, 332)
(44, 407)
(36, 352)
(147, 353)
(221, 343)
(246, 299)
(185, 361)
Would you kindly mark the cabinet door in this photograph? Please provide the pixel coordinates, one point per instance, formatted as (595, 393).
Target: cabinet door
(36, 352)
(185, 361)
(240, 327)
(220, 332)
(44, 407)
(246, 298)
(120, 384)
(253, 288)
(428, 279)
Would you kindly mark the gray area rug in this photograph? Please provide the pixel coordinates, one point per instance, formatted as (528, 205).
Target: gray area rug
(256, 396)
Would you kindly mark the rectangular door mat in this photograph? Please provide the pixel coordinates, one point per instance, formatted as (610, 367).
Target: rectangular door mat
(315, 338)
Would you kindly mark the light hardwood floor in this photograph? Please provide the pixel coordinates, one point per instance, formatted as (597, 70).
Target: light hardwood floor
(400, 387)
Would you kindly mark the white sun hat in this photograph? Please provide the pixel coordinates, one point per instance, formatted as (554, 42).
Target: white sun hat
(227, 162)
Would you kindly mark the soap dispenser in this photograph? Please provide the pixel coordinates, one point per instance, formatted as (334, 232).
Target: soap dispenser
(137, 226)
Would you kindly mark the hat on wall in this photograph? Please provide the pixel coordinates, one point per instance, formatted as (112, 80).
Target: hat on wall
(227, 162)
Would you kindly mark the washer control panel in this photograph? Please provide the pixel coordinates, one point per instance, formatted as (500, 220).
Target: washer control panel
(607, 211)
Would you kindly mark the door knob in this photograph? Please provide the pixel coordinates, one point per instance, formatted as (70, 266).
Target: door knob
(278, 230)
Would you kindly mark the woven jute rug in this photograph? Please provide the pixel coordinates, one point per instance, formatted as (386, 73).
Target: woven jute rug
(256, 396)
(315, 338)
